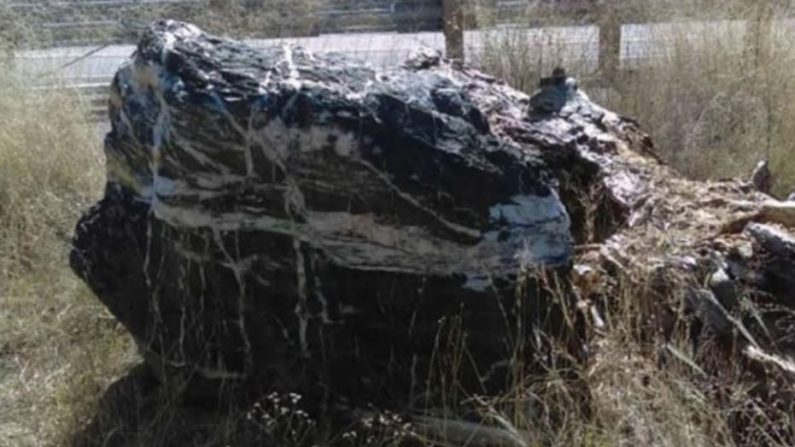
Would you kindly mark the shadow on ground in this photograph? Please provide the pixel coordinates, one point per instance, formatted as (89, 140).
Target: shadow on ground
(137, 411)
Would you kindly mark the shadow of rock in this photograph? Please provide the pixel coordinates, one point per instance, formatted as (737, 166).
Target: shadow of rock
(138, 411)
(121, 411)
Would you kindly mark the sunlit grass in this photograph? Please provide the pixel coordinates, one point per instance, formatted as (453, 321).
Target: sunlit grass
(58, 346)
(710, 111)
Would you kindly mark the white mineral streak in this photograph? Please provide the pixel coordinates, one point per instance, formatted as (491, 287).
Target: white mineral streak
(360, 241)
(239, 269)
(183, 317)
(148, 255)
(318, 294)
(167, 187)
(274, 141)
(292, 70)
(301, 306)
(208, 372)
(151, 77)
(218, 374)
(535, 227)
(452, 226)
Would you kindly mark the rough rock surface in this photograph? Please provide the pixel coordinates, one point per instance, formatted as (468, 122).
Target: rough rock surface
(292, 219)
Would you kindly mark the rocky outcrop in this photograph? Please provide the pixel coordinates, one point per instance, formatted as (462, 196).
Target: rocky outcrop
(288, 218)
(304, 221)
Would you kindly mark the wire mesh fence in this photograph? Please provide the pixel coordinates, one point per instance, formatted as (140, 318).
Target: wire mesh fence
(382, 50)
(81, 43)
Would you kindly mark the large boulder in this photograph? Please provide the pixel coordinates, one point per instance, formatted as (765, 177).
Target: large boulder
(293, 219)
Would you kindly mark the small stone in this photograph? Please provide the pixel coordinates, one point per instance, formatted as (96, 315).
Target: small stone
(709, 310)
(761, 178)
(554, 92)
(724, 288)
(423, 59)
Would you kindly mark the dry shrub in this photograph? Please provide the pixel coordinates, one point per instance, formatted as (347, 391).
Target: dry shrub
(712, 111)
(522, 56)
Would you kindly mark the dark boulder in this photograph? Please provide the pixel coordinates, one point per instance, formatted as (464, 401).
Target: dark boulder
(292, 219)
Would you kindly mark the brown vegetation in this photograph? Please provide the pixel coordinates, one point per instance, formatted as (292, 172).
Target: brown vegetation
(711, 109)
(59, 348)
(713, 100)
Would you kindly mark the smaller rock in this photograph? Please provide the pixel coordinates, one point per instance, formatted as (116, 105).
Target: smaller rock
(554, 92)
(709, 310)
(762, 178)
(724, 288)
(587, 279)
(423, 59)
(771, 270)
(776, 241)
(743, 251)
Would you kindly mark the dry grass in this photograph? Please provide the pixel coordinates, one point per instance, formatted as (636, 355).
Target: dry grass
(30, 27)
(58, 346)
(711, 112)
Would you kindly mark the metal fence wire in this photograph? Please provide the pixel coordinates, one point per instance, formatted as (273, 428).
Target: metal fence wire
(81, 43)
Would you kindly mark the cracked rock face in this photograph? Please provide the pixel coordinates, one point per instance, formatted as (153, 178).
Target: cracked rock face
(291, 218)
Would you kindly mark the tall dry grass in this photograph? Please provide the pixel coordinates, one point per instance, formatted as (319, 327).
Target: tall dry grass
(41, 24)
(58, 346)
(711, 112)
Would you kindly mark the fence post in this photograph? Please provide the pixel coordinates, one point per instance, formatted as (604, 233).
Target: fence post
(609, 24)
(758, 33)
(453, 25)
